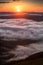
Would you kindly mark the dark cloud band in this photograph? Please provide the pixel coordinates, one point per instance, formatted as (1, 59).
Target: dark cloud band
(5, 1)
(37, 1)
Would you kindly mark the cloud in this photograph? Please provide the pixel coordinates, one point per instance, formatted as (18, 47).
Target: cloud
(36, 1)
(39, 1)
(5, 1)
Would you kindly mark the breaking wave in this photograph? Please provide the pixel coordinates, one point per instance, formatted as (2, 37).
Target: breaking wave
(12, 30)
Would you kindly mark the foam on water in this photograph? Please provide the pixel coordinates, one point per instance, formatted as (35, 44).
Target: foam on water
(13, 29)
(22, 28)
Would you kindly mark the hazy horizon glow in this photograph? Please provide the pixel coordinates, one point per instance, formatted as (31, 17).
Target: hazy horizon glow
(25, 7)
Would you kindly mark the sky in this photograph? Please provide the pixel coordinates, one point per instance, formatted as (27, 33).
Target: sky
(24, 5)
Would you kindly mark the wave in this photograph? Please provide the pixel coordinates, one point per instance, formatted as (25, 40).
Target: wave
(20, 38)
(21, 28)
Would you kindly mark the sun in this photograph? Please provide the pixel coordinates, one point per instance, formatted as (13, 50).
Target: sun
(18, 8)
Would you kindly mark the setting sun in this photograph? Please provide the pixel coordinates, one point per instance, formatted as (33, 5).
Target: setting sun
(21, 7)
(18, 9)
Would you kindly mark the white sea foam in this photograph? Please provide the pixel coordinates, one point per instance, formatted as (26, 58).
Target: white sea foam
(21, 28)
(12, 29)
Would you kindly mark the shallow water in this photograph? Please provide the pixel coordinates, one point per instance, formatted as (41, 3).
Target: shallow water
(24, 30)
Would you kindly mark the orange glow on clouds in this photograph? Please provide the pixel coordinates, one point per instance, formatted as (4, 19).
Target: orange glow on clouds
(21, 7)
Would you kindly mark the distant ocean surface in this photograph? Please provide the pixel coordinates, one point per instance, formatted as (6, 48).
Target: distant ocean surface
(20, 38)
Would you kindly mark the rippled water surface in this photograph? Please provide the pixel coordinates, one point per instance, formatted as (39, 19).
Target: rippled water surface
(20, 38)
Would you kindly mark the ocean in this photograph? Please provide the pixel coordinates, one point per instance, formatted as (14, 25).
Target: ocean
(20, 38)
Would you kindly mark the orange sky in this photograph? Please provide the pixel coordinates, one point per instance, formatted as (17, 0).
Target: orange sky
(27, 7)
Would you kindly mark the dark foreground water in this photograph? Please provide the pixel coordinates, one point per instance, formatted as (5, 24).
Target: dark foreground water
(20, 41)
